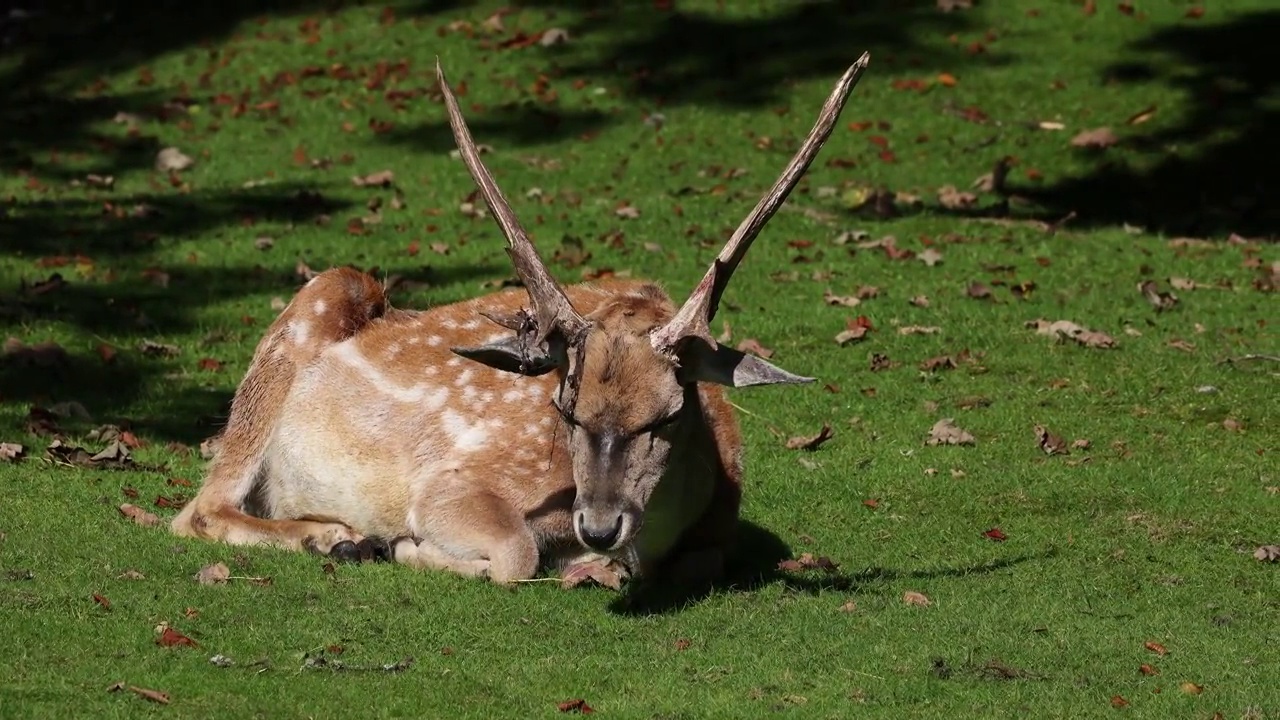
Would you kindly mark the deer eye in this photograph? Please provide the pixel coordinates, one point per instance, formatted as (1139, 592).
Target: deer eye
(662, 422)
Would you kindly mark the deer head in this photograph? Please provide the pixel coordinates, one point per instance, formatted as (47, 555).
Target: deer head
(628, 372)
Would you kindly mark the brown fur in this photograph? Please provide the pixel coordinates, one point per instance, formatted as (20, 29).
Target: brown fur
(361, 414)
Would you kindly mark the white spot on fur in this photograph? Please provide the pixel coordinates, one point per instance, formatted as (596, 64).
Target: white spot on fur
(486, 398)
(469, 393)
(434, 340)
(449, 325)
(512, 395)
(415, 340)
(496, 337)
(300, 331)
(319, 307)
(471, 325)
(465, 435)
(454, 362)
(464, 378)
(393, 349)
(433, 397)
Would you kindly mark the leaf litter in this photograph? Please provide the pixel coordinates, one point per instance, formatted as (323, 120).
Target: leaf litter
(945, 432)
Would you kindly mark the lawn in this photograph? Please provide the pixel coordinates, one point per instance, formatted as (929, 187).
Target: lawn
(1087, 551)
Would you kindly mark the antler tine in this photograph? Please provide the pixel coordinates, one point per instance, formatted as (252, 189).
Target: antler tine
(551, 306)
(694, 317)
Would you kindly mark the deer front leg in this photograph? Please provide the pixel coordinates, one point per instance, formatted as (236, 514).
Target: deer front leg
(467, 530)
(229, 524)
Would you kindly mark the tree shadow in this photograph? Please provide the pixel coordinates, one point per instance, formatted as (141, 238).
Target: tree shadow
(1217, 174)
(755, 566)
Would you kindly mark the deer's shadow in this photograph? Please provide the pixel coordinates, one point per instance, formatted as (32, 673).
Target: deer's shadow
(754, 565)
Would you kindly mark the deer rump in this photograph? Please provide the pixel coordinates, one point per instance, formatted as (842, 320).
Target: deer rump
(588, 432)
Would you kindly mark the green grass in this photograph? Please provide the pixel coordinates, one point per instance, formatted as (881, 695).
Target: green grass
(1145, 536)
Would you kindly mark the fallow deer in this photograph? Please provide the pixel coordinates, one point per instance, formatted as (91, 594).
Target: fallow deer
(587, 434)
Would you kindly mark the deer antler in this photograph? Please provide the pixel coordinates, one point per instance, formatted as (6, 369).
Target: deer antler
(694, 317)
(553, 314)
(551, 308)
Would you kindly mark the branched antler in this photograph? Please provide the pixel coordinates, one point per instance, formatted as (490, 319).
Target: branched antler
(551, 306)
(555, 320)
(694, 317)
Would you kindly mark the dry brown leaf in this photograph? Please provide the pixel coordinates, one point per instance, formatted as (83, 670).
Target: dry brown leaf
(840, 300)
(954, 199)
(553, 36)
(1160, 300)
(1155, 647)
(588, 572)
(152, 695)
(945, 432)
(911, 597)
(854, 329)
(1051, 444)
(172, 638)
(11, 451)
(1181, 283)
(131, 575)
(1267, 553)
(941, 362)
(171, 159)
(753, 346)
(577, 705)
(809, 561)
(1142, 115)
(1069, 330)
(1147, 670)
(920, 301)
(139, 516)
(978, 291)
(1183, 345)
(1097, 138)
(811, 442)
(382, 178)
(214, 574)
(1191, 688)
(919, 330)
(866, 292)
(930, 256)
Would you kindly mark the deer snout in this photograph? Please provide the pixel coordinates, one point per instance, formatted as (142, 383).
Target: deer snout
(600, 529)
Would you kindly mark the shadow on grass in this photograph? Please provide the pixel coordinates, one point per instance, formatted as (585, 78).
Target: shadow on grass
(755, 566)
(137, 310)
(1216, 170)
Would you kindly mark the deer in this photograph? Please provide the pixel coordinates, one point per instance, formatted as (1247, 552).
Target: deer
(580, 429)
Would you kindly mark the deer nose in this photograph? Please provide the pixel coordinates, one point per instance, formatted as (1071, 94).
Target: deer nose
(599, 535)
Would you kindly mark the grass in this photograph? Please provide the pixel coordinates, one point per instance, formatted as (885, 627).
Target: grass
(1143, 537)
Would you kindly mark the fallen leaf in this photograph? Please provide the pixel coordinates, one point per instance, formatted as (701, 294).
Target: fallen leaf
(809, 561)
(1142, 115)
(930, 257)
(1183, 345)
(1118, 701)
(171, 159)
(920, 301)
(811, 442)
(1067, 329)
(911, 597)
(840, 300)
(1097, 138)
(104, 603)
(11, 451)
(214, 574)
(855, 329)
(848, 607)
(598, 572)
(1267, 553)
(996, 534)
(131, 575)
(172, 638)
(1147, 670)
(954, 199)
(152, 695)
(627, 212)
(1160, 300)
(753, 346)
(156, 349)
(682, 644)
(919, 330)
(978, 291)
(945, 432)
(553, 36)
(941, 362)
(1051, 444)
(1155, 647)
(382, 178)
(1191, 688)
(139, 516)
(577, 705)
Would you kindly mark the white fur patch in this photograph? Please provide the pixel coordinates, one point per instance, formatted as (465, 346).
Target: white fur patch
(464, 378)
(465, 435)
(434, 340)
(300, 331)
(319, 307)
(433, 396)
(512, 395)
(471, 325)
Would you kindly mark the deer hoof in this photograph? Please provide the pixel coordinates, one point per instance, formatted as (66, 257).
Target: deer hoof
(374, 550)
(345, 551)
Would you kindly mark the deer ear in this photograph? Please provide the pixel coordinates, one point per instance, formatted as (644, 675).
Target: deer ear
(733, 368)
(511, 354)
